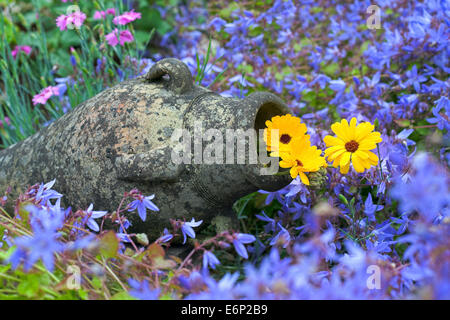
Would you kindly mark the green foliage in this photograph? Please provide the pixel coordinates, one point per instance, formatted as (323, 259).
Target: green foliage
(24, 77)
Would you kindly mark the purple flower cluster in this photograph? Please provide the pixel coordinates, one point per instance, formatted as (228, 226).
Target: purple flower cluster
(253, 48)
(328, 64)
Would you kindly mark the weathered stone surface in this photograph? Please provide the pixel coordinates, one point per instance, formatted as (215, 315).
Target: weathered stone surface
(120, 139)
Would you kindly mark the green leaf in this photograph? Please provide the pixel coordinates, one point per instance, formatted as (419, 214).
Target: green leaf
(10, 29)
(167, 296)
(331, 69)
(343, 199)
(376, 123)
(352, 202)
(142, 239)
(96, 283)
(226, 12)
(29, 286)
(403, 123)
(161, 263)
(305, 42)
(109, 244)
(83, 294)
(141, 36)
(309, 96)
(122, 295)
(154, 251)
(4, 255)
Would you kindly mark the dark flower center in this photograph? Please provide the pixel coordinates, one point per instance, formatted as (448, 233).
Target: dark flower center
(352, 146)
(285, 138)
(299, 163)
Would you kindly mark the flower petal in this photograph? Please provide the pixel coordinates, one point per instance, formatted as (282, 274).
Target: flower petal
(362, 130)
(372, 156)
(240, 249)
(331, 141)
(336, 154)
(357, 164)
(246, 238)
(333, 149)
(345, 159)
(304, 178)
(293, 172)
(339, 131)
(142, 211)
(92, 225)
(344, 169)
(361, 154)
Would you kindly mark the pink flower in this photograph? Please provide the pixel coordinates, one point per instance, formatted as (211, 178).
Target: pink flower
(74, 19)
(45, 94)
(7, 121)
(78, 18)
(114, 38)
(125, 36)
(99, 15)
(17, 49)
(127, 17)
(102, 14)
(111, 38)
(61, 22)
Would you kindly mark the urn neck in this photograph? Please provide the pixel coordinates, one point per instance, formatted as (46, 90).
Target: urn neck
(238, 126)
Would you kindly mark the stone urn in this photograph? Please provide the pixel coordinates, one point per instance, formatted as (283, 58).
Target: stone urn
(126, 137)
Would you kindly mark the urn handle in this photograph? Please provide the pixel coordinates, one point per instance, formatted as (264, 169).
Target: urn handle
(180, 78)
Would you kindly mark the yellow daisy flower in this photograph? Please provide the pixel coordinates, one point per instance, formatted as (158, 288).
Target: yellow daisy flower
(352, 143)
(302, 158)
(287, 128)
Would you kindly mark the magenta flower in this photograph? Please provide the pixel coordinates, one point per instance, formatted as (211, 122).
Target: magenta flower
(102, 14)
(99, 15)
(127, 17)
(17, 49)
(125, 36)
(61, 22)
(7, 122)
(45, 94)
(114, 37)
(70, 21)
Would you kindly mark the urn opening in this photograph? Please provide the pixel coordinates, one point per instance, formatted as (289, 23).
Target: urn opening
(266, 112)
(270, 107)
